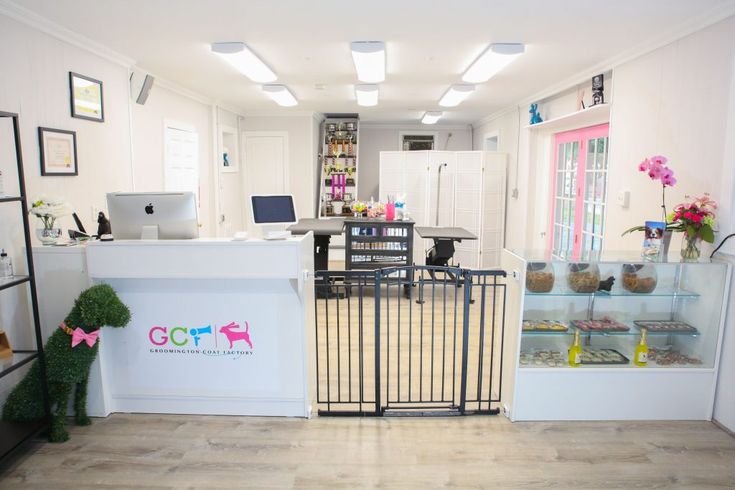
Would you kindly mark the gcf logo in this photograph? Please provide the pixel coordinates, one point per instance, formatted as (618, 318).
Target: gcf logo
(207, 340)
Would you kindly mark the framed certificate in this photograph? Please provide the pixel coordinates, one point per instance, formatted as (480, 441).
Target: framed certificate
(86, 98)
(58, 149)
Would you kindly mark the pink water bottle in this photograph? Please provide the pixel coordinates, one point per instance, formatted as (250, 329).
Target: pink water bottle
(390, 211)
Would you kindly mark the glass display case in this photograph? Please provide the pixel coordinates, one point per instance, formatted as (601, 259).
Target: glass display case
(628, 319)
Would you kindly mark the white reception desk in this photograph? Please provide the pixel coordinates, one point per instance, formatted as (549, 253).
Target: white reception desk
(218, 326)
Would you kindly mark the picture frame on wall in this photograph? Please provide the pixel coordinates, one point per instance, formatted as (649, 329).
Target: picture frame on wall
(58, 150)
(86, 98)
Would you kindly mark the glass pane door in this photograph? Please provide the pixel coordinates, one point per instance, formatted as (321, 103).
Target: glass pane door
(595, 196)
(579, 192)
(565, 198)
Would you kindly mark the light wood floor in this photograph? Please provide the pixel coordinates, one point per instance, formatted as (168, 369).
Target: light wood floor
(175, 451)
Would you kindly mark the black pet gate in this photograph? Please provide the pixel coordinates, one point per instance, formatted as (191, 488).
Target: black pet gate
(409, 340)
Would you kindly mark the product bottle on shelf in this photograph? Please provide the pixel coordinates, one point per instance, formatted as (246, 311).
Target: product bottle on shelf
(575, 351)
(641, 350)
(6, 266)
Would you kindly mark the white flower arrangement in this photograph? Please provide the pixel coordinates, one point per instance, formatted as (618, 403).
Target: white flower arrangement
(49, 210)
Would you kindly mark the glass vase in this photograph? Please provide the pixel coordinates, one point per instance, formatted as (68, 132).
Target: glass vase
(48, 236)
(691, 248)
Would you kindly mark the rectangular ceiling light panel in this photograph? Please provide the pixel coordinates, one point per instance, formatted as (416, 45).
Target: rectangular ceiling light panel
(369, 58)
(455, 95)
(366, 95)
(491, 61)
(431, 117)
(280, 94)
(245, 61)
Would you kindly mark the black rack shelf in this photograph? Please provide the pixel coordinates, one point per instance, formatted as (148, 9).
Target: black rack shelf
(9, 282)
(381, 231)
(19, 359)
(14, 434)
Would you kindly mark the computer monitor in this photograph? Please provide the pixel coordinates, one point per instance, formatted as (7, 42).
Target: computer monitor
(273, 212)
(153, 215)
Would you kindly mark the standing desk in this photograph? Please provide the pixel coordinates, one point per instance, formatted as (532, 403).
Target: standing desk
(323, 230)
(444, 237)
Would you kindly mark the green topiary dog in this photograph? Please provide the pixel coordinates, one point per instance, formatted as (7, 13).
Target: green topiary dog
(69, 354)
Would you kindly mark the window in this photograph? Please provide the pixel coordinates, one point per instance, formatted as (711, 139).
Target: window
(579, 189)
(413, 142)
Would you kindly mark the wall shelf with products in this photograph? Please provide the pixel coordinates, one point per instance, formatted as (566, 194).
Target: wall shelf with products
(338, 165)
(650, 345)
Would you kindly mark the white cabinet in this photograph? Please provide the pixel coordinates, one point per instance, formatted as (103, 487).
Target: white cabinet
(680, 305)
(451, 188)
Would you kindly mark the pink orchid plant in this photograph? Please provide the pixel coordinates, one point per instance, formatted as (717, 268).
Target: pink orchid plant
(657, 169)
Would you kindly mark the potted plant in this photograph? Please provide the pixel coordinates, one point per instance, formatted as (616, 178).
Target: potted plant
(696, 220)
(48, 210)
(657, 169)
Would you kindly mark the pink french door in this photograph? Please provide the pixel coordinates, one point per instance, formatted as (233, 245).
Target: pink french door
(579, 192)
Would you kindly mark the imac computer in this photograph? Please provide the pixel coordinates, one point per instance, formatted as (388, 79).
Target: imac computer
(273, 213)
(153, 215)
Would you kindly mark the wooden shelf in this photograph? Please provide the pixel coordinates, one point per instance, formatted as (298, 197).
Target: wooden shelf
(597, 114)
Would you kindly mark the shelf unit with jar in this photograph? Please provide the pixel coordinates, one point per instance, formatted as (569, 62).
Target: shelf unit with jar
(680, 305)
(338, 165)
(14, 434)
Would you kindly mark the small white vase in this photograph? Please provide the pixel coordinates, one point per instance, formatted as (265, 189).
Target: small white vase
(48, 236)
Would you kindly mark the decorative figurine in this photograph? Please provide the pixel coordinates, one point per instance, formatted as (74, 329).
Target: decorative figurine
(607, 284)
(69, 351)
(598, 88)
(103, 225)
(535, 116)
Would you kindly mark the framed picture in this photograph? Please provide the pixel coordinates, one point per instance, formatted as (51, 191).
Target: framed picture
(86, 98)
(58, 151)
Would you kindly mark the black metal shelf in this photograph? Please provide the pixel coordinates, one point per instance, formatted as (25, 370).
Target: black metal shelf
(12, 199)
(19, 359)
(370, 238)
(16, 433)
(359, 251)
(9, 282)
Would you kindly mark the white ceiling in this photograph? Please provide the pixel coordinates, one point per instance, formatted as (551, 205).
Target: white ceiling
(429, 45)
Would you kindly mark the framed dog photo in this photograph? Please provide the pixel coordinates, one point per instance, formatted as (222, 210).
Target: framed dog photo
(58, 152)
(86, 98)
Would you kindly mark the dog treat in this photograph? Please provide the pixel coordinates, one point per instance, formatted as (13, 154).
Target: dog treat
(539, 277)
(600, 326)
(544, 326)
(670, 357)
(602, 356)
(666, 326)
(635, 284)
(543, 358)
(583, 278)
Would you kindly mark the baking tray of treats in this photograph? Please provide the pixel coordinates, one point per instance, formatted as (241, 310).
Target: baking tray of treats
(602, 357)
(667, 356)
(664, 326)
(546, 326)
(603, 326)
(543, 358)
